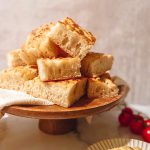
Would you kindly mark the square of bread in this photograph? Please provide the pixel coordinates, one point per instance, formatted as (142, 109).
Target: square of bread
(13, 59)
(70, 37)
(14, 78)
(63, 93)
(38, 45)
(96, 64)
(58, 69)
(101, 87)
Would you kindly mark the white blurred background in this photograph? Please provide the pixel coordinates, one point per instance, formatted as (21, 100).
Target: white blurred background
(122, 28)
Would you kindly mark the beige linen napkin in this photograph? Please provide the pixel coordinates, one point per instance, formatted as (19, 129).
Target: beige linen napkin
(11, 97)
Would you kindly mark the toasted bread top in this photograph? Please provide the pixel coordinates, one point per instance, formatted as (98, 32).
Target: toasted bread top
(25, 72)
(14, 59)
(93, 56)
(38, 39)
(59, 59)
(71, 25)
(104, 79)
(38, 33)
(64, 83)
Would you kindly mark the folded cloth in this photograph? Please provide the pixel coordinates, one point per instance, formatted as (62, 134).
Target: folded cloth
(11, 97)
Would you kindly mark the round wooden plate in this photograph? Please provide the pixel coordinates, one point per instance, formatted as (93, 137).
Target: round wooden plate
(53, 116)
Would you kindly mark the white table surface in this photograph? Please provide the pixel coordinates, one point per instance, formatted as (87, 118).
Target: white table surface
(23, 133)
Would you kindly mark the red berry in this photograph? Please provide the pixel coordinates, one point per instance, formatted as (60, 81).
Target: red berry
(127, 110)
(146, 134)
(137, 124)
(138, 117)
(147, 123)
(125, 119)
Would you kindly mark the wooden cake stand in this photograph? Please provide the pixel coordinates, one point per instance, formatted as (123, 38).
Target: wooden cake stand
(58, 120)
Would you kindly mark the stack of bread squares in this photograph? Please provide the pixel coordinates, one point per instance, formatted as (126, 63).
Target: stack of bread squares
(55, 63)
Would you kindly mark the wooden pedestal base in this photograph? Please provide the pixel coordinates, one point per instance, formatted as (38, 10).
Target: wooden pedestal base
(60, 126)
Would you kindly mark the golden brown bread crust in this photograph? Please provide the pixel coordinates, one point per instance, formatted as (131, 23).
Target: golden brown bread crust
(38, 33)
(14, 78)
(96, 64)
(39, 45)
(101, 87)
(71, 25)
(73, 39)
(59, 69)
(22, 72)
(64, 93)
(14, 59)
